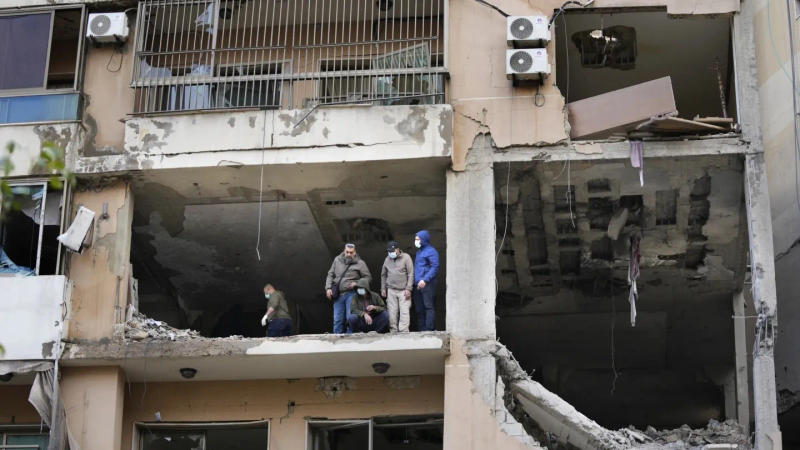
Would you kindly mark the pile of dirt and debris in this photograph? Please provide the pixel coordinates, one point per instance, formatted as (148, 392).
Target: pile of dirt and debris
(140, 327)
(727, 434)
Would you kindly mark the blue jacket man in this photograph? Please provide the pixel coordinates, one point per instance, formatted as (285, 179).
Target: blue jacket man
(426, 266)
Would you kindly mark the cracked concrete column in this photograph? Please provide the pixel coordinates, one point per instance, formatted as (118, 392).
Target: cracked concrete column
(762, 257)
(471, 241)
(762, 262)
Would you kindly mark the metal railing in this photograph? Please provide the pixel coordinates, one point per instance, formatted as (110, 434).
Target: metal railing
(221, 54)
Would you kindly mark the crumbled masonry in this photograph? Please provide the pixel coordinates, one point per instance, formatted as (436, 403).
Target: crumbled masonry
(556, 425)
(141, 327)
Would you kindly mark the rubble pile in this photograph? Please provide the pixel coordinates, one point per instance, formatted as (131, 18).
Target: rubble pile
(140, 327)
(727, 434)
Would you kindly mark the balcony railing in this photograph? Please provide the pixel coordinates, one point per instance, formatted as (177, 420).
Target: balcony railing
(221, 54)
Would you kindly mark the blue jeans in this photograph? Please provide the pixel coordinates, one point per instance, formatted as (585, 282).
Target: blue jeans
(341, 311)
(380, 322)
(424, 306)
(279, 328)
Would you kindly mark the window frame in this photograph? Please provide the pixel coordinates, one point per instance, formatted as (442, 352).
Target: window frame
(310, 421)
(137, 442)
(17, 430)
(78, 60)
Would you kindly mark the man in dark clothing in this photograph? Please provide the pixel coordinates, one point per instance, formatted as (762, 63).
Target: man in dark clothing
(367, 310)
(426, 266)
(346, 270)
(278, 315)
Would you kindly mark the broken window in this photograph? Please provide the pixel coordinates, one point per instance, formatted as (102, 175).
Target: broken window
(28, 244)
(39, 65)
(379, 433)
(196, 55)
(24, 438)
(204, 436)
(641, 73)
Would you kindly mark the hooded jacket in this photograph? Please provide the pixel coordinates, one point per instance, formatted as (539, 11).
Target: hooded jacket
(344, 273)
(426, 261)
(358, 304)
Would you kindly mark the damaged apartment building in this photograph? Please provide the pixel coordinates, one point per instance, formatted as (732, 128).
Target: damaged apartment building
(595, 174)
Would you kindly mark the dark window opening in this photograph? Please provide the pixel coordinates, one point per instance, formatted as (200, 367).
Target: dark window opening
(28, 244)
(227, 436)
(388, 433)
(666, 207)
(613, 47)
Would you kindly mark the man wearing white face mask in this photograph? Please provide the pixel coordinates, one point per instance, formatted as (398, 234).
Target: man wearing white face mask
(397, 281)
(367, 310)
(278, 316)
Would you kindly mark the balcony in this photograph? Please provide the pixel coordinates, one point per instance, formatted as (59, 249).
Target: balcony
(30, 316)
(214, 54)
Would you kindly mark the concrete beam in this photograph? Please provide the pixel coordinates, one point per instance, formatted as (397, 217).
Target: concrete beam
(592, 151)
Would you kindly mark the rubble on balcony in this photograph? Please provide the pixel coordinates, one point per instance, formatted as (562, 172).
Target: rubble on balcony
(140, 327)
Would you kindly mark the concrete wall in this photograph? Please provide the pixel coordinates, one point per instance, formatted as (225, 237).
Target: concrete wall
(30, 316)
(93, 400)
(270, 399)
(28, 140)
(349, 133)
(100, 275)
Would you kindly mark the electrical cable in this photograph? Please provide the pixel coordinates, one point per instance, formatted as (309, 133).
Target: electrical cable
(505, 227)
(566, 52)
(561, 9)
(260, 196)
(111, 58)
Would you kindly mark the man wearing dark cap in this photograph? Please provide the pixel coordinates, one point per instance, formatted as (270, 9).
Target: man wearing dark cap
(397, 281)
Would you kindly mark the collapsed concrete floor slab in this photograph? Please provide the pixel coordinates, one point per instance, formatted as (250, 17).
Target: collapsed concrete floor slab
(550, 422)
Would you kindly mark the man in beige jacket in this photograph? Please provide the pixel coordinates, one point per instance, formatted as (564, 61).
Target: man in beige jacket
(397, 280)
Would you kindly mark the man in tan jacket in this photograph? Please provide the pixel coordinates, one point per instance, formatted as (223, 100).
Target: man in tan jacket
(397, 280)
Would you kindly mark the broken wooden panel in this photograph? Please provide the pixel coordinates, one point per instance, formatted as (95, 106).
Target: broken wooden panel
(621, 110)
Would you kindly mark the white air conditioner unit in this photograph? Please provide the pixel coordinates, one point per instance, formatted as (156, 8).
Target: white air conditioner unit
(527, 31)
(527, 64)
(107, 27)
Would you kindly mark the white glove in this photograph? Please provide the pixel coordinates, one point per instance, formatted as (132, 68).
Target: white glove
(264, 321)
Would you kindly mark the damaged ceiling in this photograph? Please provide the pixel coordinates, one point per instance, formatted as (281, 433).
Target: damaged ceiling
(195, 235)
(663, 46)
(559, 270)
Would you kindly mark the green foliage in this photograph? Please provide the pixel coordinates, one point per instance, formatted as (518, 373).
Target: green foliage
(50, 161)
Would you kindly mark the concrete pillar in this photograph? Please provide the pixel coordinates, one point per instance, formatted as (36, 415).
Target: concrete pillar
(762, 262)
(100, 275)
(762, 257)
(94, 398)
(470, 375)
(471, 245)
(742, 378)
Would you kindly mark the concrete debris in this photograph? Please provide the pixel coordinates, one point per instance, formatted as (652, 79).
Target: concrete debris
(727, 434)
(558, 425)
(141, 327)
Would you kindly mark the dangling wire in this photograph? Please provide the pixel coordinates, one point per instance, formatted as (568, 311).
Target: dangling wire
(260, 196)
